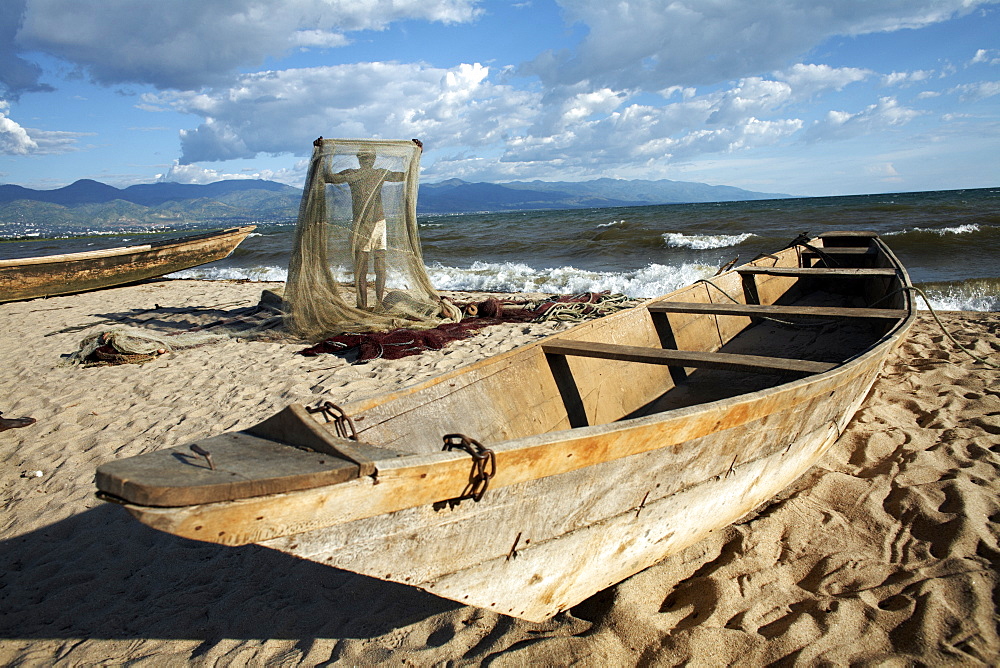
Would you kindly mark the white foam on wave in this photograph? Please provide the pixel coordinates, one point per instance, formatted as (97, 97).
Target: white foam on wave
(960, 229)
(704, 241)
(956, 299)
(613, 223)
(233, 273)
(650, 281)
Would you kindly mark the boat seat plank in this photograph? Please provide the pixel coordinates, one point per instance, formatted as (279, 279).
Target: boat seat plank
(861, 234)
(840, 250)
(684, 358)
(831, 272)
(760, 310)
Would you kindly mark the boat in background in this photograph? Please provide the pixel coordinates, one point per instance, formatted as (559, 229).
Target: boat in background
(46, 276)
(526, 482)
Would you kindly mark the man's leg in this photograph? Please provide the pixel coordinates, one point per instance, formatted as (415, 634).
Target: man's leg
(361, 278)
(380, 275)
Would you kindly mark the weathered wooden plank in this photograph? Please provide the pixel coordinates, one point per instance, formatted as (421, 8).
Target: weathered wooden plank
(686, 358)
(443, 403)
(292, 425)
(861, 234)
(244, 466)
(839, 250)
(832, 272)
(759, 310)
(723, 288)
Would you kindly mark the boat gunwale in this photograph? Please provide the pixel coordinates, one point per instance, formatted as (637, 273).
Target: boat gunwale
(165, 244)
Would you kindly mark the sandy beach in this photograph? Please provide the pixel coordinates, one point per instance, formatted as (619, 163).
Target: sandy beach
(885, 553)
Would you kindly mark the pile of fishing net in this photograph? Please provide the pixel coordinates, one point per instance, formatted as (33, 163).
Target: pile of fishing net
(130, 345)
(405, 342)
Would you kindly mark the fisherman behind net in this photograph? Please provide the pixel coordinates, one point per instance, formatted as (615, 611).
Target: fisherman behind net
(358, 227)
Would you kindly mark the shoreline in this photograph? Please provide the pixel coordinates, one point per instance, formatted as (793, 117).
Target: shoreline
(885, 550)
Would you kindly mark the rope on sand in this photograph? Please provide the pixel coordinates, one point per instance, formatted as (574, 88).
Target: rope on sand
(965, 350)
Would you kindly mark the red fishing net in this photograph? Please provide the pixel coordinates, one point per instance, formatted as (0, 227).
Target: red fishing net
(399, 343)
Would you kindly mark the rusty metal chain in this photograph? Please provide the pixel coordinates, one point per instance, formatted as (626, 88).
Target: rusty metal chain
(484, 465)
(342, 422)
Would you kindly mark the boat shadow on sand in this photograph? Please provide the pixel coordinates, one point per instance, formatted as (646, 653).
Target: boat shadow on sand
(100, 574)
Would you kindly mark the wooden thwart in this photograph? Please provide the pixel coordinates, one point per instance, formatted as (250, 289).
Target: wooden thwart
(840, 250)
(760, 310)
(860, 234)
(684, 358)
(818, 271)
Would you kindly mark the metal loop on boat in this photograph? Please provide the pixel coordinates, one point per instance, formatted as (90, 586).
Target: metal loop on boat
(342, 422)
(484, 465)
(198, 450)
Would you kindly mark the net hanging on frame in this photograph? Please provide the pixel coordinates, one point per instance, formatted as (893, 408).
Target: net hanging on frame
(356, 263)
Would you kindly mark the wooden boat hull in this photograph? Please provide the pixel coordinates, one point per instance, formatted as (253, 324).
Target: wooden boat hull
(571, 509)
(30, 278)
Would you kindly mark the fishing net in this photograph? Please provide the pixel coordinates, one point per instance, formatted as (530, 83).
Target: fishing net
(401, 343)
(130, 345)
(356, 263)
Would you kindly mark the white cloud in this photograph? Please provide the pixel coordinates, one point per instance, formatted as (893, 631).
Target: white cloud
(474, 127)
(886, 113)
(808, 79)
(650, 82)
(18, 140)
(884, 170)
(319, 38)
(906, 78)
(178, 173)
(988, 56)
(651, 136)
(651, 44)
(751, 96)
(283, 111)
(974, 92)
(185, 45)
(14, 140)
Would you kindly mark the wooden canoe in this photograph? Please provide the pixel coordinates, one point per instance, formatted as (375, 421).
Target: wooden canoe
(45, 276)
(611, 445)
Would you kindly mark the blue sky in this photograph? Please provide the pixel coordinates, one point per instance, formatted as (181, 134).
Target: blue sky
(804, 97)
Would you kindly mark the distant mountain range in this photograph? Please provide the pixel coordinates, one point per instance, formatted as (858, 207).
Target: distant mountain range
(97, 206)
(457, 196)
